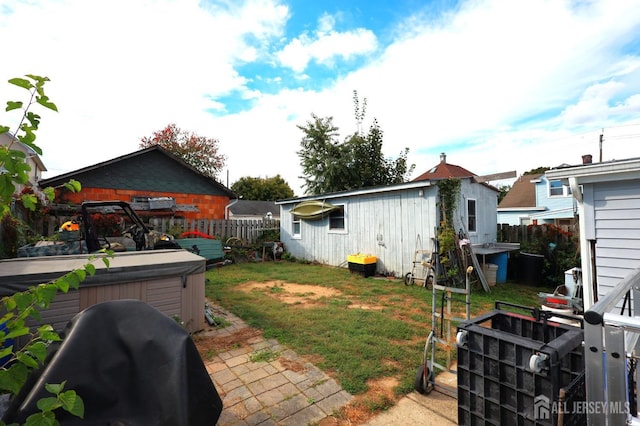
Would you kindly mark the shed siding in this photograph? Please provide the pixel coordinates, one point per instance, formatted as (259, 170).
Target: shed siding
(386, 225)
(486, 206)
(616, 207)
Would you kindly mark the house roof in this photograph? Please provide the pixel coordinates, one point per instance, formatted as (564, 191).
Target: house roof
(444, 170)
(522, 193)
(149, 169)
(254, 208)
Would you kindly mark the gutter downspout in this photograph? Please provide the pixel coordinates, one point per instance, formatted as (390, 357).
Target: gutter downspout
(587, 250)
(226, 208)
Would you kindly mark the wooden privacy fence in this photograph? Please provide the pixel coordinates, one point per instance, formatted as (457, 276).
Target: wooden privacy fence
(248, 230)
(528, 233)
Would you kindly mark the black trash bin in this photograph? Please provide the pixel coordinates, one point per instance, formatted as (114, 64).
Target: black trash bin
(530, 268)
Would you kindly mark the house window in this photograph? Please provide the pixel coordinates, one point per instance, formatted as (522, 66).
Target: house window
(336, 219)
(471, 215)
(557, 189)
(295, 226)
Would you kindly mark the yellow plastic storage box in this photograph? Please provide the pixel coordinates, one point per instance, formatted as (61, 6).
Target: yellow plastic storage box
(364, 264)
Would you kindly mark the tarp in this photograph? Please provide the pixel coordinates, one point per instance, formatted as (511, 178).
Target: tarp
(21, 273)
(131, 365)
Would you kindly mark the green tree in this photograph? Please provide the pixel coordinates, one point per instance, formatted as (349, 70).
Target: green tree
(358, 162)
(202, 153)
(504, 189)
(262, 189)
(537, 171)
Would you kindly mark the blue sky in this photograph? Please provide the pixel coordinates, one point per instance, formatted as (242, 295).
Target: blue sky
(497, 85)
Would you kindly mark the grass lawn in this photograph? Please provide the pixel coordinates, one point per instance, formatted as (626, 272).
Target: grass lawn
(356, 329)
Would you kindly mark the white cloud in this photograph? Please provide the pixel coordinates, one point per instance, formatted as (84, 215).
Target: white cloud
(325, 45)
(468, 83)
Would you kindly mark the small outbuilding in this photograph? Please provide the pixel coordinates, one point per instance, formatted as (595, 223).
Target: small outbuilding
(389, 222)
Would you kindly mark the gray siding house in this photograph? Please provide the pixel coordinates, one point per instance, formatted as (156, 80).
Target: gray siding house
(389, 222)
(608, 198)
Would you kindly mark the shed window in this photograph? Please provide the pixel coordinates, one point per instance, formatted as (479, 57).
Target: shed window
(336, 219)
(295, 226)
(471, 215)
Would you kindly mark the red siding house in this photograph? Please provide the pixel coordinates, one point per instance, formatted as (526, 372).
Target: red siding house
(154, 181)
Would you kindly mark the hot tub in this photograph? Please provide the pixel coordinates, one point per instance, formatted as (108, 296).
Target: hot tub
(172, 281)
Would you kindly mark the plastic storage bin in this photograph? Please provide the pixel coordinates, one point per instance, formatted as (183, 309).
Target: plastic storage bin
(513, 369)
(364, 264)
(500, 259)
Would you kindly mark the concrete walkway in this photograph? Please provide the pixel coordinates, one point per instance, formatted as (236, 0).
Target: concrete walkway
(434, 409)
(262, 383)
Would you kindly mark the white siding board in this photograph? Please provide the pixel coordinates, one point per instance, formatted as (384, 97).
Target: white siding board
(616, 208)
(605, 213)
(611, 243)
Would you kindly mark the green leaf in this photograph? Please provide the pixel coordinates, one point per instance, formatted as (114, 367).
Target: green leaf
(6, 351)
(49, 403)
(39, 351)
(63, 284)
(72, 403)
(90, 268)
(11, 105)
(22, 300)
(73, 186)
(46, 294)
(81, 274)
(42, 419)
(55, 388)
(50, 336)
(27, 360)
(50, 193)
(29, 201)
(44, 101)
(4, 129)
(17, 332)
(21, 82)
(13, 378)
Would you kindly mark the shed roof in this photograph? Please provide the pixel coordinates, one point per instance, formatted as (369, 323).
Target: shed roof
(522, 193)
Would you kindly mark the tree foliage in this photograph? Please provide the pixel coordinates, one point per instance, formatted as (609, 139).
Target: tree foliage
(504, 190)
(200, 152)
(262, 189)
(19, 307)
(537, 171)
(358, 162)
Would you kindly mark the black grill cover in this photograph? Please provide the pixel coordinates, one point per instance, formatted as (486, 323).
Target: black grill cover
(131, 365)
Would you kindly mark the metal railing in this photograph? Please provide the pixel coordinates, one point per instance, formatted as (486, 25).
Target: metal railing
(611, 331)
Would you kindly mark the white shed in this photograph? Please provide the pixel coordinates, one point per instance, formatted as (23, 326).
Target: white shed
(608, 197)
(389, 222)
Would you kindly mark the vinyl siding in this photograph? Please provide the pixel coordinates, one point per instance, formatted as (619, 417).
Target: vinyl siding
(616, 207)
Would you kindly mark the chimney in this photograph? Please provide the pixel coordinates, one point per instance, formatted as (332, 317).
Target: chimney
(443, 158)
(587, 159)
